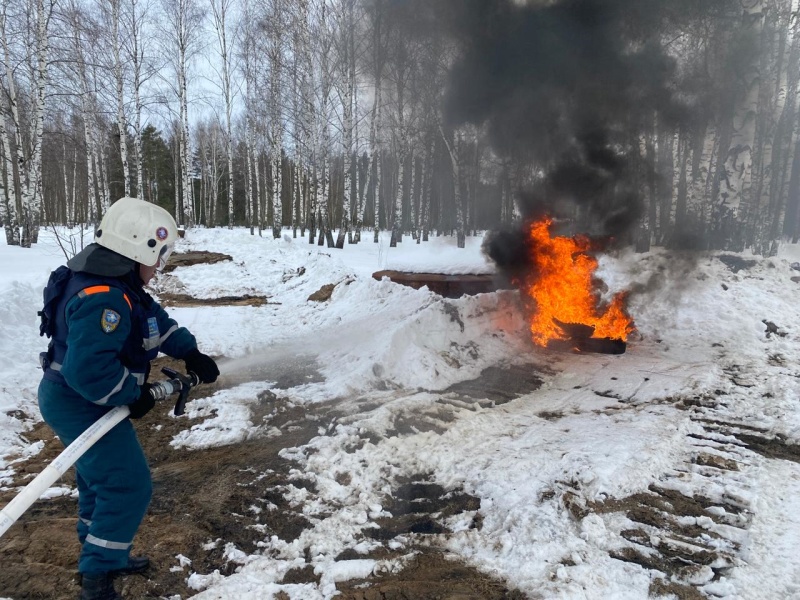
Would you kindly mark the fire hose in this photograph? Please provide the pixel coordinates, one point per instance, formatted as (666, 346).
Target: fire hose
(180, 384)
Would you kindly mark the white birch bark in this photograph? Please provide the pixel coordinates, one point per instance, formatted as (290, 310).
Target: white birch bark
(29, 166)
(326, 37)
(258, 206)
(32, 199)
(453, 150)
(11, 220)
(87, 113)
(220, 10)
(306, 140)
(276, 117)
(9, 214)
(136, 49)
(426, 193)
(248, 74)
(348, 51)
(738, 165)
(182, 18)
(402, 151)
(122, 126)
(249, 184)
(68, 198)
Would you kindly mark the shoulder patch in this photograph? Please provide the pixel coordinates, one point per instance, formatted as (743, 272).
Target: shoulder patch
(110, 320)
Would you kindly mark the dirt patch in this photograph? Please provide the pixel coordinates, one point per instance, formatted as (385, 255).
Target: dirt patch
(168, 300)
(500, 384)
(427, 576)
(187, 259)
(199, 497)
(205, 499)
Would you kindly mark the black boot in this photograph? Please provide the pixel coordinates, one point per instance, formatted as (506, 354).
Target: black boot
(98, 586)
(136, 564)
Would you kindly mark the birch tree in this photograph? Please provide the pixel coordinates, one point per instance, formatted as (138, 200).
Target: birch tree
(248, 68)
(119, 80)
(736, 147)
(275, 24)
(325, 39)
(400, 73)
(10, 198)
(378, 60)
(226, 39)
(183, 18)
(33, 23)
(308, 137)
(348, 62)
(136, 45)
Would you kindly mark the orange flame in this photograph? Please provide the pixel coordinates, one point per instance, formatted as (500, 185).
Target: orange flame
(561, 288)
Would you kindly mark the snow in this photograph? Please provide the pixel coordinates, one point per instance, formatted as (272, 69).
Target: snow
(600, 427)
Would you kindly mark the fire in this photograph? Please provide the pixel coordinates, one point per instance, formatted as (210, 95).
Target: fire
(561, 288)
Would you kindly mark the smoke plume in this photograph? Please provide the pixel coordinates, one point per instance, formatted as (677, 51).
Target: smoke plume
(568, 86)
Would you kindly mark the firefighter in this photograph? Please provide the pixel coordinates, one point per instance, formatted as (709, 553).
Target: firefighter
(105, 331)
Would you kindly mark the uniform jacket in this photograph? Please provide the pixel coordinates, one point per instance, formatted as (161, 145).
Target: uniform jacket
(107, 330)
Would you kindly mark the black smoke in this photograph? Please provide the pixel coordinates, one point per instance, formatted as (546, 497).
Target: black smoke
(568, 87)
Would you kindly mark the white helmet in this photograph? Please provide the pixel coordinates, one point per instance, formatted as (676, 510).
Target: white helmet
(138, 230)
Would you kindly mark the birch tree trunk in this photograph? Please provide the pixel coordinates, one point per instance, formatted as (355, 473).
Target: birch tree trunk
(8, 201)
(738, 165)
(306, 140)
(137, 61)
(248, 207)
(427, 188)
(326, 83)
(87, 112)
(782, 144)
(453, 152)
(347, 133)
(122, 127)
(276, 117)
(29, 167)
(183, 18)
(402, 150)
(220, 10)
(260, 213)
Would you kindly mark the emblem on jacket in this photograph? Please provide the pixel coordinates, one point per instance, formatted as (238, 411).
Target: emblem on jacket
(110, 320)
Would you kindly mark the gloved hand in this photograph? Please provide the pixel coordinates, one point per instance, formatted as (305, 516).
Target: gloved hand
(201, 365)
(142, 405)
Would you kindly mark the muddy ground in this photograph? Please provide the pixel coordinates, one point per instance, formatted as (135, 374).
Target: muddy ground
(202, 496)
(205, 495)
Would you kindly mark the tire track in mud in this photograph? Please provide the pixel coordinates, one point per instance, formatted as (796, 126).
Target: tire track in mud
(414, 524)
(202, 507)
(690, 528)
(208, 505)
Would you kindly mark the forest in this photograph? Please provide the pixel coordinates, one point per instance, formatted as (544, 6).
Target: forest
(654, 122)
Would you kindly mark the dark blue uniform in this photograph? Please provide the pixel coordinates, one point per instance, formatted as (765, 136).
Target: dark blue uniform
(107, 329)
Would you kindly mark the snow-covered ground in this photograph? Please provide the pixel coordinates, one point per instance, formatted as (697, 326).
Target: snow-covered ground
(699, 373)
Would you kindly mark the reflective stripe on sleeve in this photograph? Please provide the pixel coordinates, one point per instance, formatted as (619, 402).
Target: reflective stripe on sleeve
(117, 388)
(90, 539)
(170, 331)
(156, 341)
